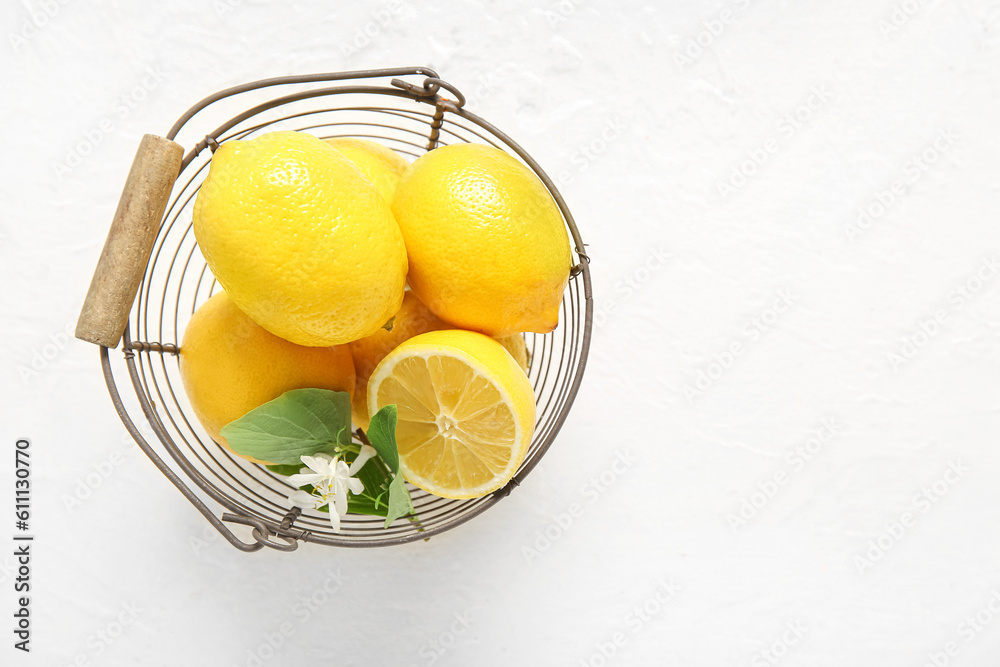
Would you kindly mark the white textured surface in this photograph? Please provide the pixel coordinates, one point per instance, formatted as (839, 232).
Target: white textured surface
(556, 76)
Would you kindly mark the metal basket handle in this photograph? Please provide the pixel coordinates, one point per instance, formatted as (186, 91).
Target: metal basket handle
(128, 246)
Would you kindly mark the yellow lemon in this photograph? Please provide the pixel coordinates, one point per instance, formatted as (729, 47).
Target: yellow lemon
(412, 319)
(300, 239)
(466, 411)
(515, 345)
(488, 250)
(231, 365)
(382, 165)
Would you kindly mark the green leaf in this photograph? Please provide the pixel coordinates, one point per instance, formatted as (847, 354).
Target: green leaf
(382, 435)
(301, 422)
(374, 499)
(399, 500)
(305, 422)
(286, 470)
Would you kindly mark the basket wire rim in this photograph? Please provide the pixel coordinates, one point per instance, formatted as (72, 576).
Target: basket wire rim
(545, 432)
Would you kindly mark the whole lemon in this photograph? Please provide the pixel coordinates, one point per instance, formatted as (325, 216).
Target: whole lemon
(300, 239)
(380, 164)
(230, 365)
(488, 250)
(517, 348)
(412, 319)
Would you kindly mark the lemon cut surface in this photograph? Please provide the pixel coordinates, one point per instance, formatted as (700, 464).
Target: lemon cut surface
(466, 411)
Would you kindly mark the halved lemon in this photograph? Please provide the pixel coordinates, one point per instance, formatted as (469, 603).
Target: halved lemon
(466, 411)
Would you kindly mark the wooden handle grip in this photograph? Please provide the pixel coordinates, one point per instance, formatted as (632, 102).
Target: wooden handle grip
(130, 241)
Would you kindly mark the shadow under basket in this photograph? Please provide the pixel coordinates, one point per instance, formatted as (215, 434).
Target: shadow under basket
(151, 277)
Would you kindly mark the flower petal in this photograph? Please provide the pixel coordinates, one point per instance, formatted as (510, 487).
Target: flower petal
(339, 499)
(355, 485)
(341, 471)
(302, 480)
(334, 520)
(367, 451)
(303, 500)
(315, 463)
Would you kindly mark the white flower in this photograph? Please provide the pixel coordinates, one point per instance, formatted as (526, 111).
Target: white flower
(331, 479)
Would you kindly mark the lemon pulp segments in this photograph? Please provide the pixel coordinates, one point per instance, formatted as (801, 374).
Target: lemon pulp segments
(463, 429)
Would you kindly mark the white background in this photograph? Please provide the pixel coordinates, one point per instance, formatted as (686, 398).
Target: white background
(644, 140)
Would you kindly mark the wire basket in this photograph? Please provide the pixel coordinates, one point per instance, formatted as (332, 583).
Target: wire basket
(157, 301)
